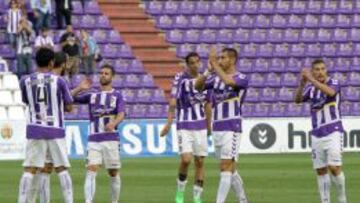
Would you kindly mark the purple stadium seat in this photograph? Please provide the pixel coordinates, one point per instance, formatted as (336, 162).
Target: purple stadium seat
(175, 36)
(256, 80)
(341, 35)
(354, 79)
(3, 38)
(346, 49)
(258, 35)
(77, 78)
(2, 22)
(342, 64)
(330, 64)
(197, 21)
(245, 65)
(136, 66)
(265, 50)
(202, 50)
(286, 94)
(343, 21)
(341, 77)
(268, 94)
(218, 7)
(261, 65)
(184, 49)
(234, 7)
(277, 109)
(293, 109)
(171, 7)
(100, 36)
(224, 36)
(125, 51)
(89, 22)
(103, 22)
(132, 80)
(314, 6)
(76, 21)
(73, 115)
(325, 35)
(114, 37)
(246, 21)
(262, 21)
(345, 7)
(356, 49)
(275, 35)
(283, 7)
(252, 95)
(295, 21)
(298, 7)
(297, 50)
(281, 50)
(279, 21)
(109, 50)
(291, 35)
(355, 65)
(250, 7)
(308, 35)
(139, 110)
(273, 80)
(313, 50)
(154, 7)
(261, 109)
(355, 35)
(191, 36)
(156, 111)
(355, 109)
(329, 7)
(164, 22)
(242, 35)
(212, 22)
(202, 7)
(350, 94)
(289, 80)
(118, 81)
(147, 80)
(249, 50)
(144, 95)
(247, 109)
(266, 7)
(181, 22)
(229, 21)
(327, 21)
(311, 21)
(328, 50)
(345, 108)
(6, 51)
(277, 65)
(158, 95)
(92, 7)
(83, 112)
(121, 65)
(208, 36)
(187, 7)
(77, 8)
(355, 22)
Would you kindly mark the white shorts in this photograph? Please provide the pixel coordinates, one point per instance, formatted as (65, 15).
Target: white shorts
(38, 151)
(193, 141)
(227, 144)
(104, 153)
(327, 151)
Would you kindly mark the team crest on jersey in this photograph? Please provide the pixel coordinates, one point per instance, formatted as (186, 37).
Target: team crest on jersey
(113, 101)
(6, 131)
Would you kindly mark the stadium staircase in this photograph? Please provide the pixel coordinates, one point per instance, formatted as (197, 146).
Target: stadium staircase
(147, 42)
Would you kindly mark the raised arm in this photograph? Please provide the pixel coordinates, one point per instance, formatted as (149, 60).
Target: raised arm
(321, 86)
(299, 91)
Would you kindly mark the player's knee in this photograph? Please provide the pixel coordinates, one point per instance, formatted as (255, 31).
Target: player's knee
(321, 171)
(60, 169)
(113, 172)
(47, 169)
(32, 170)
(185, 161)
(92, 168)
(199, 162)
(226, 165)
(335, 170)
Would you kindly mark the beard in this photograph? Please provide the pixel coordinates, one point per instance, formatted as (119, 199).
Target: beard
(105, 82)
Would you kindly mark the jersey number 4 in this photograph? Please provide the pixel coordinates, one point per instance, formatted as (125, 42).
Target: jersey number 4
(42, 95)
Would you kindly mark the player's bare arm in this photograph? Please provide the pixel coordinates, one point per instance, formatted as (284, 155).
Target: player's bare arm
(110, 127)
(208, 114)
(321, 86)
(84, 85)
(171, 114)
(299, 91)
(226, 78)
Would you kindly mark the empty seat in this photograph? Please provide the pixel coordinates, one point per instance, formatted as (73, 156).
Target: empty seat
(6, 98)
(3, 113)
(16, 113)
(17, 97)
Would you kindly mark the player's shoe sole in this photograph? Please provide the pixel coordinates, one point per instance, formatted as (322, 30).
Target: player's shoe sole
(179, 198)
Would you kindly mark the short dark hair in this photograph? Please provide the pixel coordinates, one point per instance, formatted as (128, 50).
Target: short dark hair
(232, 53)
(317, 61)
(44, 56)
(191, 54)
(59, 59)
(108, 66)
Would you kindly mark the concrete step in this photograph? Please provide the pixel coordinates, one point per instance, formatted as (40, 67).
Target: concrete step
(164, 69)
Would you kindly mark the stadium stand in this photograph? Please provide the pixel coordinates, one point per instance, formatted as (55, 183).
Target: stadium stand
(275, 40)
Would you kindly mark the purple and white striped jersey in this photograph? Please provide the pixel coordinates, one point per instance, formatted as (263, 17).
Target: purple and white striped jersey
(227, 102)
(45, 94)
(325, 110)
(190, 103)
(103, 107)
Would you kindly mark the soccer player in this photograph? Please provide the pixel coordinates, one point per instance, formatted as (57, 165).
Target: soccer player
(47, 97)
(193, 114)
(41, 181)
(107, 110)
(323, 93)
(228, 92)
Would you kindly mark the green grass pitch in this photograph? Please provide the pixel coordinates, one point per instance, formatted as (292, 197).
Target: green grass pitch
(285, 178)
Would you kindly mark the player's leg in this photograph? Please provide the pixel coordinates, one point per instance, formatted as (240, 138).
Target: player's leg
(45, 173)
(237, 183)
(185, 151)
(319, 164)
(200, 148)
(112, 164)
(58, 152)
(334, 154)
(93, 161)
(34, 159)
